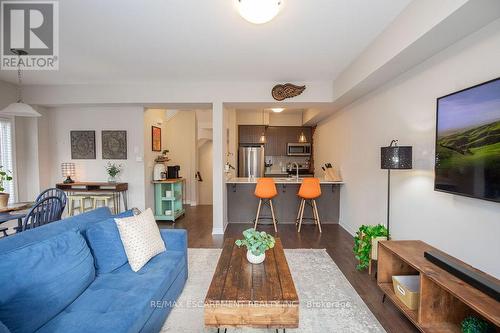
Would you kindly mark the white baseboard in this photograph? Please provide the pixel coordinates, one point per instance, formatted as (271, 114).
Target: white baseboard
(218, 231)
(347, 228)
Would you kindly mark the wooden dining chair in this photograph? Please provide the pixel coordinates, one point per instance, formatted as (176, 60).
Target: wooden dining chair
(54, 192)
(43, 212)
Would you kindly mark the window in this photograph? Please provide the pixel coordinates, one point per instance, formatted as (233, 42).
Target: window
(6, 154)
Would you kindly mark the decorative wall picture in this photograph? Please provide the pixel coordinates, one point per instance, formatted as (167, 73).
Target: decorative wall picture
(287, 90)
(83, 145)
(156, 138)
(114, 145)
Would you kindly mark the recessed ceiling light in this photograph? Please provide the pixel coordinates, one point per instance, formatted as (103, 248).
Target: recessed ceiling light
(259, 11)
(277, 110)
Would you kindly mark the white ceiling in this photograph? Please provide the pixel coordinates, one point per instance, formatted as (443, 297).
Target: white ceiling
(122, 41)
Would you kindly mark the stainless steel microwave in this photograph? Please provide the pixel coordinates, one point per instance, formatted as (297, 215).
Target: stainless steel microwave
(298, 149)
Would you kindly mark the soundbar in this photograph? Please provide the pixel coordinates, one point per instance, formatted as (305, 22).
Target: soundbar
(479, 280)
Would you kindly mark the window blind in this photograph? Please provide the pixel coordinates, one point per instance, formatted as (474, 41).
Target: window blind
(6, 154)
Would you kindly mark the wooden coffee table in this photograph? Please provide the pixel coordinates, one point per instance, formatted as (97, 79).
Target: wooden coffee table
(246, 295)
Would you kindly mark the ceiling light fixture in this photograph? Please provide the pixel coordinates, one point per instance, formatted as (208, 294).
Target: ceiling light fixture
(19, 109)
(259, 11)
(302, 137)
(277, 110)
(262, 138)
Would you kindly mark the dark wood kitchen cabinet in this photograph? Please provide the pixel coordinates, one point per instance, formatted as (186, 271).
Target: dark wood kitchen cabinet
(250, 134)
(274, 141)
(277, 137)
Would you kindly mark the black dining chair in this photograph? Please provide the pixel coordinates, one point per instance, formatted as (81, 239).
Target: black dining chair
(43, 212)
(54, 192)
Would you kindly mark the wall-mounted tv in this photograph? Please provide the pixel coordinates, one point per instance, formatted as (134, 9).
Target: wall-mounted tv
(468, 142)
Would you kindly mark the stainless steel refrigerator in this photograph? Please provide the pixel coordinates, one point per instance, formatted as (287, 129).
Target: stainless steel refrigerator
(251, 162)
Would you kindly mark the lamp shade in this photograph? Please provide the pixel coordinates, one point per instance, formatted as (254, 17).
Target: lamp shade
(396, 157)
(68, 169)
(19, 109)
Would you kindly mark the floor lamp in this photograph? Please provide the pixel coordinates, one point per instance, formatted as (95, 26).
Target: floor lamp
(394, 157)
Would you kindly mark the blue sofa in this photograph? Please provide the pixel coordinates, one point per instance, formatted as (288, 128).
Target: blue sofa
(73, 276)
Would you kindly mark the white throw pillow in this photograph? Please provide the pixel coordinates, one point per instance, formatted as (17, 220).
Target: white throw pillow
(141, 238)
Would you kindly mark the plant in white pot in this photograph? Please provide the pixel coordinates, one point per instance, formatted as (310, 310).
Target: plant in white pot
(257, 243)
(4, 177)
(113, 170)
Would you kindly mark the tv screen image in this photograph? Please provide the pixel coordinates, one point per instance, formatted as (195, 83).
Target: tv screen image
(468, 142)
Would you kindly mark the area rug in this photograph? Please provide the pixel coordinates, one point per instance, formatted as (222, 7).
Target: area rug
(328, 302)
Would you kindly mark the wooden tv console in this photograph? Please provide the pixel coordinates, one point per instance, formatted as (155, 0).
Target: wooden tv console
(445, 300)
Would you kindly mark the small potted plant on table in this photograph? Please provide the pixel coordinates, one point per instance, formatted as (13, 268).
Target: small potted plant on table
(257, 243)
(113, 171)
(4, 176)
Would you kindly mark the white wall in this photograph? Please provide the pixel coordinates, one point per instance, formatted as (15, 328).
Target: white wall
(8, 94)
(64, 119)
(255, 117)
(181, 141)
(27, 158)
(205, 188)
(158, 118)
(405, 109)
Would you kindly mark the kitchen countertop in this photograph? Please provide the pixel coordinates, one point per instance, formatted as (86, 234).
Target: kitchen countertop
(281, 180)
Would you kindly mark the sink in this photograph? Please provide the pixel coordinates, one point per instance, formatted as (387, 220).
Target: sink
(288, 180)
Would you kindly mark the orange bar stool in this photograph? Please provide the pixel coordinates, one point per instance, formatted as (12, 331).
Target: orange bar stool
(265, 190)
(310, 189)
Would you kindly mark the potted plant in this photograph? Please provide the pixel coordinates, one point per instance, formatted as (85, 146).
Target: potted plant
(257, 243)
(473, 324)
(366, 238)
(113, 171)
(4, 176)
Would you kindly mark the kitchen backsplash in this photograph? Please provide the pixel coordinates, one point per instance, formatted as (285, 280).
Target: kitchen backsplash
(280, 162)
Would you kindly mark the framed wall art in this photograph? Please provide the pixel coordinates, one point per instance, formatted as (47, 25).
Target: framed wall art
(114, 145)
(156, 138)
(83, 145)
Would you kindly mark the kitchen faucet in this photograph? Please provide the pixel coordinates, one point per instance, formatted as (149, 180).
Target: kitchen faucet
(297, 169)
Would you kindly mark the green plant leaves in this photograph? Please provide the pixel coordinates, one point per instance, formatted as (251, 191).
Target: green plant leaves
(257, 242)
(4, 176)
(473, 324)
(363, 243)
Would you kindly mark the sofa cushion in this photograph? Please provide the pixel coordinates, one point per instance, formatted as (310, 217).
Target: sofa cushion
(80, 221)
(41, 279)
(141, 238)
(120, 301)
(106, 246)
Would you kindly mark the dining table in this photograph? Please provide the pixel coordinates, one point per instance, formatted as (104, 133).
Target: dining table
(15, 211)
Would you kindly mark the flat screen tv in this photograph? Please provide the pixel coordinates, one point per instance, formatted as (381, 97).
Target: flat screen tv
(468, 142)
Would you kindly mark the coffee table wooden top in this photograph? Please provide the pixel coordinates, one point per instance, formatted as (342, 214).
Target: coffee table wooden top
(238, 281)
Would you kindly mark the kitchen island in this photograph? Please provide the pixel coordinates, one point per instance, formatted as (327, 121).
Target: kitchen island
(242, 203)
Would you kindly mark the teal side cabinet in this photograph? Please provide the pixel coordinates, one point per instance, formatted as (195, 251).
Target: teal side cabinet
(168, 199)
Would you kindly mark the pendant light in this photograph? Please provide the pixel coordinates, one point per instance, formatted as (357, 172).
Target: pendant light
(262, 138)
(19, 109)
(302, 137)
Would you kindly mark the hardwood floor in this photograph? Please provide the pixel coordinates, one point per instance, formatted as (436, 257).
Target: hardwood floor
(337, 242)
